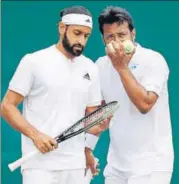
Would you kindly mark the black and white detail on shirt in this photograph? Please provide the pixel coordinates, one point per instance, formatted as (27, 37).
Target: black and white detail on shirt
(87, 20)
(87, 76)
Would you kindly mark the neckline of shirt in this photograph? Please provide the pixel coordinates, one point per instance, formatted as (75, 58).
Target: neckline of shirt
(71, 61)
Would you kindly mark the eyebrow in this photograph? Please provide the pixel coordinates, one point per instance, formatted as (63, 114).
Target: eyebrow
(77, 30)
(121, 32)
(81, 31)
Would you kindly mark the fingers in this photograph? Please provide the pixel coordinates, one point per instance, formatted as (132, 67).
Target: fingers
(102, 126)
(49, 145)
(45, 143)
(42, 148)
(106, 121)
(115, 50)
(94, 170)
(54, 143)
(110, 117)
(110, 48)
(109, 51)
(116, 46)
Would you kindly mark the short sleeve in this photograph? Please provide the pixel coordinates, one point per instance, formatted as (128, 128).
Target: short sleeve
(22, 79)
(94, 96)
(156, 75)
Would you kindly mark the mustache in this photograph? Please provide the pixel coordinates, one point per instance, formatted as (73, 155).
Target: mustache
(78, 45)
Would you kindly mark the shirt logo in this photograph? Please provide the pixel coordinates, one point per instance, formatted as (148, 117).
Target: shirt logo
(87, 76)
(134, 66)
(87, 20)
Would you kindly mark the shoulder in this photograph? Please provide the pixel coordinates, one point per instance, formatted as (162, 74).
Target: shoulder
(37, 57)
(43, 53)
(152, 57)
(103, 61)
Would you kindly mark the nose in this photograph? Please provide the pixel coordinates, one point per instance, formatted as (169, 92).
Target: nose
(82, 40)
(116, 39)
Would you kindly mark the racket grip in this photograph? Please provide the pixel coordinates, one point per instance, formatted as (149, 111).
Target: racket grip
(14, 165)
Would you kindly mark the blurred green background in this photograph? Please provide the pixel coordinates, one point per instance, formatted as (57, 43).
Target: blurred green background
(28, 26)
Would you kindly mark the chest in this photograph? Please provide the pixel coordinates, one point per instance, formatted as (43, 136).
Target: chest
(112, 86)
(62, 77)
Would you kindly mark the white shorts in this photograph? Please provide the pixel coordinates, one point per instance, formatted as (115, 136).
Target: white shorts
(37, 176)
(157, 177)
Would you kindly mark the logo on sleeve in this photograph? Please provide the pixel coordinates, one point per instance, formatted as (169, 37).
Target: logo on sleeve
(134, 66)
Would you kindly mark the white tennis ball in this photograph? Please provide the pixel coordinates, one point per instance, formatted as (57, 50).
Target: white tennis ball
(129, 46)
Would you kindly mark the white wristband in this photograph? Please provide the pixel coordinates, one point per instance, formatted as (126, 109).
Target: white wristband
(91, 141)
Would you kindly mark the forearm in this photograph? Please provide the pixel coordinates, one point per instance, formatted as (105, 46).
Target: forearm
(137, 94)
(13, 116)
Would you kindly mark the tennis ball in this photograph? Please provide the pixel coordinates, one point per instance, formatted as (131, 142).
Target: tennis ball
(128, 46)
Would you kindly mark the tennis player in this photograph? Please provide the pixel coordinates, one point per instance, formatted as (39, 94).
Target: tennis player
(141, 150)
(56, 85)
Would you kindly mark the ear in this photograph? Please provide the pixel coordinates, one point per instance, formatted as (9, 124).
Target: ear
(133, 34)
(61, 28)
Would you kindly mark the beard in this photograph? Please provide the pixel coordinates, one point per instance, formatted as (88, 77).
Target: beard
(73, 49)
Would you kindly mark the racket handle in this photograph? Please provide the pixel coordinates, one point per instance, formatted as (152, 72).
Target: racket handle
(14, 165)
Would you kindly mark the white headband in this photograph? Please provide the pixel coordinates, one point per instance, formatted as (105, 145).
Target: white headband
(77, 19)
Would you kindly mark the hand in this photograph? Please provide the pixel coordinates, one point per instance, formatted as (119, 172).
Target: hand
(105, 123)
(97, 129)
(44, 142)
(119, 58)
(90, 162)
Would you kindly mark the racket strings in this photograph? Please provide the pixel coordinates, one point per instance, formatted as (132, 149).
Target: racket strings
(90, 118)
(89, 121)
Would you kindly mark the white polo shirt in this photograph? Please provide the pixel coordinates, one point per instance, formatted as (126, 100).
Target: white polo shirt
(139, 142)
(57, 91)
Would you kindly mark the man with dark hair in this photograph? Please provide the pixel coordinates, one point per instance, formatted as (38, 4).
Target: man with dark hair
(55, 92)
(141, 150)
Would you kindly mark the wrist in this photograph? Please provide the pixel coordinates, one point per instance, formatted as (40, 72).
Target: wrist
(32, 133)
(123, 69)
(96, 131)
(88, 150)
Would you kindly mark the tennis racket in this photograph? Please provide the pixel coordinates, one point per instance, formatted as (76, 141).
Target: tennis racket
(80, 126)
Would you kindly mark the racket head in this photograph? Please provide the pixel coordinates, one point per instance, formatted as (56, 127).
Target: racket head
(89, 121)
